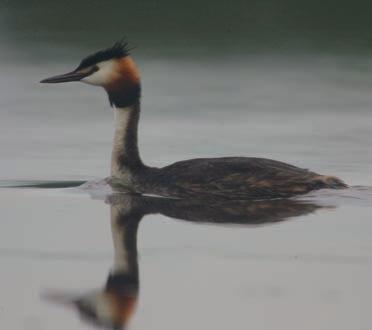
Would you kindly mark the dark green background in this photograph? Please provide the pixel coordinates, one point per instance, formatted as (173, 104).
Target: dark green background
(212, 28)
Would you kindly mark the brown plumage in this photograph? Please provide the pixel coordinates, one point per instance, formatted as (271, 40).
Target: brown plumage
(123, 87)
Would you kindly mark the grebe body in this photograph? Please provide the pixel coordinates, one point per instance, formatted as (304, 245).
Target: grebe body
(227, 177)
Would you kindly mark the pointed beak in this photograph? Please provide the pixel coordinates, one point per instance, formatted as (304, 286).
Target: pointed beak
(71, 76)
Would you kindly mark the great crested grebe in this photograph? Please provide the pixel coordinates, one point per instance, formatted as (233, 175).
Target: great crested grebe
(227, 177)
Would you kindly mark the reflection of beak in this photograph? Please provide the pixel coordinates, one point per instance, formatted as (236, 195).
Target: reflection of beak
(71, 76)
(60, 298)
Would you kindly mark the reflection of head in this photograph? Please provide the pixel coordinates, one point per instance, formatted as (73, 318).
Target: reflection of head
(111, 307)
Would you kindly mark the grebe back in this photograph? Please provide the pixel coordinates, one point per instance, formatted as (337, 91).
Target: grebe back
(227, 177)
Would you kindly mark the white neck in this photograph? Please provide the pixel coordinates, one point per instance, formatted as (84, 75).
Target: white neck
(118, 145)
(125, 156)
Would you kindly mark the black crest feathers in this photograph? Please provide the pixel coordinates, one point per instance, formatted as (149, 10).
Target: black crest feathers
(118, 50)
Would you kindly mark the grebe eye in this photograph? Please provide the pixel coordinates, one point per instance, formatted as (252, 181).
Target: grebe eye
(89, 70)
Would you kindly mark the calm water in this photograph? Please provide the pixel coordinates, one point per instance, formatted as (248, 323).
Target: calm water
(284, 266)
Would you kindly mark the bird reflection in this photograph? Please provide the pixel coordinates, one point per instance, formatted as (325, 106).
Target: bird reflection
(113, 305)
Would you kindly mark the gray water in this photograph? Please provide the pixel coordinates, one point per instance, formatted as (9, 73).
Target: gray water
(309, 107)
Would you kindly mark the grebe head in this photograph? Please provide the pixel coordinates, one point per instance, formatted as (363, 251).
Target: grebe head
(111, 68)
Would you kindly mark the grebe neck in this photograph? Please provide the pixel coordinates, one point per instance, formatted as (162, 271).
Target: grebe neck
(125, 159)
